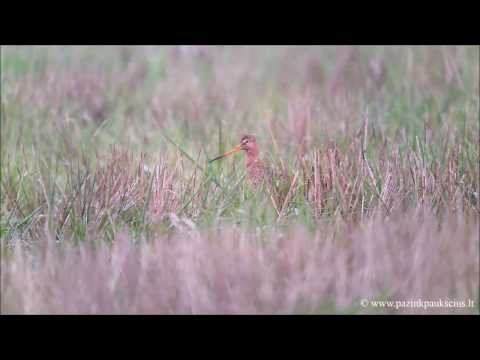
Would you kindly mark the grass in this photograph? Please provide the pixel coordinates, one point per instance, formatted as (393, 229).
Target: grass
(105, 181)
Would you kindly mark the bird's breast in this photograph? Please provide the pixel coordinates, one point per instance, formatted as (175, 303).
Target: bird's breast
(255, 170)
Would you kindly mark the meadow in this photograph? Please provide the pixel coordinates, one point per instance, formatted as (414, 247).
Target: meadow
(110, 206)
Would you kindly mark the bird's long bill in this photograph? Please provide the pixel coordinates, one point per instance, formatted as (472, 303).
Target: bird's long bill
(233, 151)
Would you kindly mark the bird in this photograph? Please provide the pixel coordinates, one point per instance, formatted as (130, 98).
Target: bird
(254, 165)
(277, 184)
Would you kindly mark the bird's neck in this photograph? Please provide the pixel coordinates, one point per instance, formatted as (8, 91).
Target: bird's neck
(252, 157)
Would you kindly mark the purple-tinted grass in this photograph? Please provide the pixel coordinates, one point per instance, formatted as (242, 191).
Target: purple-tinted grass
(230, 270)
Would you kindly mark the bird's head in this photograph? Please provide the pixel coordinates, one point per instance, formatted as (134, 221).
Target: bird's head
(248, 143)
